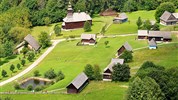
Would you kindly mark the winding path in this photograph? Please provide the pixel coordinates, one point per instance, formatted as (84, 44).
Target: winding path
(55, 42)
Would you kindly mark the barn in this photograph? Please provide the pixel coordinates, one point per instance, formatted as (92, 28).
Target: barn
(121, 18)
(107, 74)
(160, 36)
(152, 44)
(168, 18)
(78, 84)
(30, 41)
(142, 34)
(88, 39)
(125, 46)
(75, 20)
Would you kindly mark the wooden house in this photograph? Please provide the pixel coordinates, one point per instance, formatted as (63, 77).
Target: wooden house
(78, 84)
(152, 44)
(125, 46)
(160, 36)
(30, 42)
(88, 39)
(108, 12)
(75, 20)
(121, 18)
(168, 18)
(142, 34)
(107, 74)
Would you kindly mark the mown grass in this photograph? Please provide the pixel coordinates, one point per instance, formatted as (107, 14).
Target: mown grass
(94, 91)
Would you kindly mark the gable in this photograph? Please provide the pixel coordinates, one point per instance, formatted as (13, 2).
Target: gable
(172, 17)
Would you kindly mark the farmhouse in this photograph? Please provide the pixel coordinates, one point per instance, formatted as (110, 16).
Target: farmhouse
(78, 84)
(108, 12)
(125, 46)
(107, 74)
(168, 18)
(152, 44)
(30, 42)
(121, 18)
(88, 39)
(75, 20)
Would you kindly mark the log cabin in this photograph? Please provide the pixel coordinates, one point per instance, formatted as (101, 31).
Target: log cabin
(88, 39)
(107, 74)
(78, 84)
(125, 46)
(75, 20)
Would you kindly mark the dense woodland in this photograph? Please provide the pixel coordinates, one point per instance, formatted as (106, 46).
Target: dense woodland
(18, 16)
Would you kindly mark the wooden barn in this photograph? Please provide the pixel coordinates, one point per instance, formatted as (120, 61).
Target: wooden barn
(108, 12)
(160, 36)
(75, 20)
(78, 84)
(107, 74)
(88, 39)
(30, 42)
(168, 18)
(142, 34)
(152, 44)
(125, 46)
(121, 18)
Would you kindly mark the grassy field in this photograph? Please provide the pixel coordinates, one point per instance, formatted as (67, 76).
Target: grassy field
(104, 91)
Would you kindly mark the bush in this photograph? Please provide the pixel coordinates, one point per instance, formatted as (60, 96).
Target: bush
(31, 56)
(36, 73)
(36, 82)
(12, 67)
(127, 56)
(89, 71)
(50, 74)
(29, 87)
(17, 86)
(97, 73)
(4, 73)
(23, 62)
(18, 66)
(39, 88)
(87, 26)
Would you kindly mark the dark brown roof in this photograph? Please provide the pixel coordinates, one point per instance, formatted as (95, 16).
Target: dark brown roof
(168, 17)
(79, 80)
(32, 42)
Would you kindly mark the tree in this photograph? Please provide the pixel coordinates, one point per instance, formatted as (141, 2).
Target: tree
(30, 87)
(139, 22)
(50, 74)
(36, 73)
(3, 73)
(16, 86)
(155, 27)
(103, 30)
(89, 71)
(97, 73)
(130, 5)
(47, 21)
(31, 56)
(121, 72)
(146, 89)
(57, 30)
(18, 66)
(127, 56)
(23, 62)
(87, 26)
(166, 6)
(106, 43)
(8, 48)
(24, 51)
(44, 39)
(60, 76)
(147, 25)
(12, 67)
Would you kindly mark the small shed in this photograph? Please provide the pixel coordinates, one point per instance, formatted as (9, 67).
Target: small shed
(152, 44)
(125, 46)
(168, 18)
(78, 84)
(88, 39)
(108, 12)
(120, 19)
(107, 74)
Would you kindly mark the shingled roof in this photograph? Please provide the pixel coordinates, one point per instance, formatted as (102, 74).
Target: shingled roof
(121, 16)
(88, 36)
(79, 80)
(164, 34)
(166, 17)
(32, 42)
(152, 42)
(114, 62)
(127, 46)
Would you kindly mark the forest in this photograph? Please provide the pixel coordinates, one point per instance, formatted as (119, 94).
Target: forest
(18, 16)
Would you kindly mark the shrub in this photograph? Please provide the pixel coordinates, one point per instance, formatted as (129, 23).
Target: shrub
(36, 73)
(4, 73)
(127, 56)
(50, 74)
(39, 88)
(89, 71)
(31, 56)
(16, 86)
(97, 73)
(12, 67)
(87, 26)
(36, 82)
(30, 87)
(23, 62)
(18, 66)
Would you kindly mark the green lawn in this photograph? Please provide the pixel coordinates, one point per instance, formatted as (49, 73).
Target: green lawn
(130, 27)
(104, 91)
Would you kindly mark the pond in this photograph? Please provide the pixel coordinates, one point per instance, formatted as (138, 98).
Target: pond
(34, 81)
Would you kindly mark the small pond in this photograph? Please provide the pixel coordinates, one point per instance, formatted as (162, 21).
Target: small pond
(34, 81)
